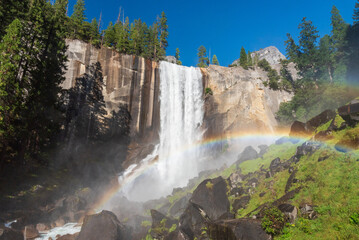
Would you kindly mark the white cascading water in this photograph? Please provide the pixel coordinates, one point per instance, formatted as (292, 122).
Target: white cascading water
(181, 118)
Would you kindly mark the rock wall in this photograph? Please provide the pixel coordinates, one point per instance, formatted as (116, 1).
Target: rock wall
(240, 102)
(129, 80)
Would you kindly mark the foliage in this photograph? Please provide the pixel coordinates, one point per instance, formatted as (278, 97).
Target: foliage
(203, 60)
(273, 221)
(208, 91)
(243, 61)
(177, 56)
(215, 60)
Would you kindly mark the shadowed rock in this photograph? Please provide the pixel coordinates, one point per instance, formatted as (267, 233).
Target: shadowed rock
(249, 153)
(104, 226)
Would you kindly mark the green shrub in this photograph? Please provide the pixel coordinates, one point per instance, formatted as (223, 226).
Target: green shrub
(354, 218)
(273, 221)
(209, 91)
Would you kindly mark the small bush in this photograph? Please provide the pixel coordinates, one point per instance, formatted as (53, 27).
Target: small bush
(273, 221)
(209, 185)
(354, 218)
(209, 91)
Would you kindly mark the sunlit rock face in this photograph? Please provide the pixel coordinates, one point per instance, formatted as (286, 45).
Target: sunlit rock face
(240, 102)
(128, 80)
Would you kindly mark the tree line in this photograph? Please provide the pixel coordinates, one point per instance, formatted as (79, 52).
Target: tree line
(328, 67)
(36, 114)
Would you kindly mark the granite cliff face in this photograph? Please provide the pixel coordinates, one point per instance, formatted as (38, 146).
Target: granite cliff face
(129, 80)
(240, 102)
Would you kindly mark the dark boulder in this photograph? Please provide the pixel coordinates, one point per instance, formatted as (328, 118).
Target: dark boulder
(290, 212)
(290, 181)
(208, 203)
(10, 234)
(249, 153)
(350, 112)
(241, 203)
(320, 119)
(179, 206)
(160, 224)
(237, 192)
(104, 226)
(275, 166)
(238, 229)
(298, 129)
(211, 197)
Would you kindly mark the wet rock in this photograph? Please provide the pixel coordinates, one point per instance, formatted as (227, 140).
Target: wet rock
(237, 192)
(211, 196)
(235, 178)
(350, 112)
(104, 226)
(10, 234)
(290, 212)
(307, 148)
(192, 221)
(177, 235)
(31, 232)
(298, 129)
(253, 182)
(320, 119)
(160, 224)
(42, 227)
(179, 206)
(249, 153)
(308, 211)
(238, 229)
(69, 237)
(275, 166)
(241, 203)
(262, 149)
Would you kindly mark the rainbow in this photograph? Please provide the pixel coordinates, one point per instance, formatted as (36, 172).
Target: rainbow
(137, 171)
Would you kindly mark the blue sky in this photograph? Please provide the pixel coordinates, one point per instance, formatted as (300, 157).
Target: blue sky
(223, 26)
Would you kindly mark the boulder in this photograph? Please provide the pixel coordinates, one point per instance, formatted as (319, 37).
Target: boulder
(237, 192)
(10, 234)
(160, 224)
(42, 227)
(235, 178)
(308, 211)
(298, 129)
(290, 212)
(275, 166)
(31, 232)
(241, 203)
(104, 226)
(179, 206)
(249, 153)
(350, 112)
(238, 229)
(290, 181)
(320, 119)
(211, 197)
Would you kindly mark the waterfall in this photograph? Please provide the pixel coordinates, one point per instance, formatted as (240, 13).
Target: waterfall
(181, 118)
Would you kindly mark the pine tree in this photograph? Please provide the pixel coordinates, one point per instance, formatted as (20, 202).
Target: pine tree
(77, 20)
(123, 43)
(356, 13)
(291, 48)
(339, 30)
(9, 11)
(163, 31)
(243, 61)
(249, 58)
(177, 56)
(94, 33)
(109, 38)
(326, 58)
(215, 60)
(203, 61)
